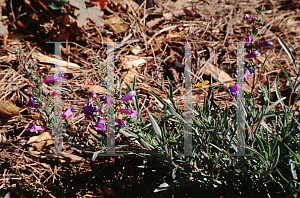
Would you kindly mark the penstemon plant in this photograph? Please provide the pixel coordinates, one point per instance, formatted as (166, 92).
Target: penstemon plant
(42, 98)
(272, 171)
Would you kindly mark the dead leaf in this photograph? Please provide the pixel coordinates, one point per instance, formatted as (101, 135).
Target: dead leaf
(217, 73)
(116, 24)
(109, 191)
(8, 109)
(136, 50)
(154, 22)
(83, 13)
(129, 77)
(146, 89)
(168, 16)
(40, 141)
(179, 4)
(98, 89)
(132, 61)
(3, 29)
(62, 158)
(174, 74)
(46, 59)
(189, 11)
(297, 105)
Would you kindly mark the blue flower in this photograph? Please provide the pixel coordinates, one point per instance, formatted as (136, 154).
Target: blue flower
(253, 54)
(128, 96)
(247, 72)
(100, 125)
(31, 103)
(265, 44)
(106, 101)
(248, 40)
(56, 76)
(121, 122)
(130, 112)
(90, 109)
(68, 112)
(34, 128)
(234, 91)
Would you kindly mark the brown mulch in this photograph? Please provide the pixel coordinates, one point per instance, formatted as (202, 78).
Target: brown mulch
(152, 36)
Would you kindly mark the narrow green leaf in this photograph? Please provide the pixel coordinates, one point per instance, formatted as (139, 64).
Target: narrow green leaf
(274, 104)
(155, 127)
(227, 70)
(99, 139)
(162, 103)
(287, 50)
(170, 89)
(166, 186)
(277, 91)
(287, 76)
(276, 158)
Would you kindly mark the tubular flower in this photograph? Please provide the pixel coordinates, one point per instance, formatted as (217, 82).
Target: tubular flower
(253, 54)
(90, 109)
(31, 103)
(247, 72)
(106, 101)
(34, 128)
(234, 91)
(128, 96)
(130, 112)
(94, 95)
(120, 122)
(248, 17)
(100, 125)
(248, 40)
(265, 44)
(68, 112)
(56, 76)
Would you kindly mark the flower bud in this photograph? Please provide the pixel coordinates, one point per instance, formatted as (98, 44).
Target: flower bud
(253, 54)
(265, 44)
(248, 17)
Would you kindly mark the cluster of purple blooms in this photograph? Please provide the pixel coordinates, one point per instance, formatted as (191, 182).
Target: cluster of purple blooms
(235, 90)
(94, 111)
(89, 109)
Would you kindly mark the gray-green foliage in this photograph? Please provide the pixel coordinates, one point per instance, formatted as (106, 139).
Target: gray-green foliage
(270, 135)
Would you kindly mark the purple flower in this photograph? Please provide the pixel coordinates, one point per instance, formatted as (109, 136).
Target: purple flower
(31, 103)
(94, 95)
(247, 72)
(106, 101)
(253, 54)
(248, 40)
(234, 91)
(130, 112)
(120, 122)
(248, 17)
(56, 76)
(68, 112)
(265, 44)
(100, 125)
(128, 96)
(34, 128)
(90, 109)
